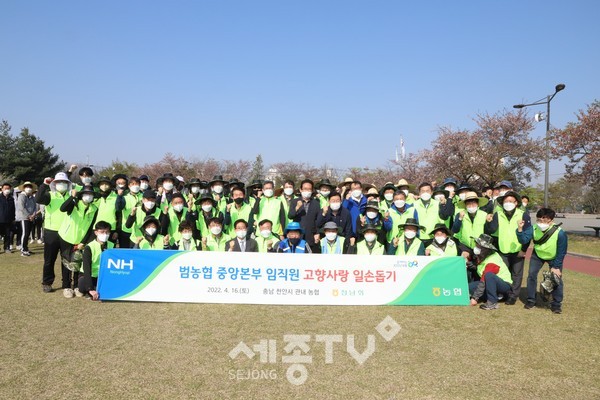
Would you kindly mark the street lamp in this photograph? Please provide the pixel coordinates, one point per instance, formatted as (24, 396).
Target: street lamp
(547, 101)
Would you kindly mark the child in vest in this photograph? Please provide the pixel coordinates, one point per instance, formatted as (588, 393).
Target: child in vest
(151, 238)
(443, 245)
(549, 246)
(187, 241)
(91, 260)
(408, 244)
(293, 242)
(495, 276)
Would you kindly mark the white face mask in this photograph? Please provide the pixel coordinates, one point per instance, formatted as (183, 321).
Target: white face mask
(509, 206)
(450, 189)
(102, 237)
(28, 191)
(150, 231)
(399, 203)
(168, 186)
(357, 193)
(440, 239)
(541, 226)
(335, 206)
(86, 180)
(439, 197)
(186, 235)
(215, 230)
(195, 189)
(241, 234)
(472, 209)
(120, 186)
(502, 193)
(370, 237)
(7, 192)
(410, 234)
(388, 196)
(288, 191)
(149, 205)
(325, 193)
(306, 195)
(87, 198)
(143, 185)
(178, 207)
(331, 236)
(477, 251)
(371, 214)
(426, 196)
(134, 189)
(218, 189)
(62, 187)
(268, 192)
(207, 208)
(462, 196)
(265, 233)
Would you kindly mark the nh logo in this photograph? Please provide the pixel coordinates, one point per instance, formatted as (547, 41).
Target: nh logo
(120, 264)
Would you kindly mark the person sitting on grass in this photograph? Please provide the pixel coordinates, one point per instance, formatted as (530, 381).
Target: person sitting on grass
(495, 276)
(549, 246)
(91, 260)
(187, 241)
(151, 238)
(293, 242)
(407, 243)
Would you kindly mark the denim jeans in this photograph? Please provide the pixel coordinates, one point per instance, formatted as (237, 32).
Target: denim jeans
(535, 264)
(493, 287)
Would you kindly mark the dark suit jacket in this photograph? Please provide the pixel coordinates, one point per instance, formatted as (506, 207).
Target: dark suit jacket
(251, 245)
(307, 220)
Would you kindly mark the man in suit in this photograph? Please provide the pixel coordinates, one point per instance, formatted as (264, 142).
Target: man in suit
(305, 210)
(242, 241)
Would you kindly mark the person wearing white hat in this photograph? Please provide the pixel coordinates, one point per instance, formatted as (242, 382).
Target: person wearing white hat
(52, 194)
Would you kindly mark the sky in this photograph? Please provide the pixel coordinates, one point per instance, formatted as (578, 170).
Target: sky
(322, 82)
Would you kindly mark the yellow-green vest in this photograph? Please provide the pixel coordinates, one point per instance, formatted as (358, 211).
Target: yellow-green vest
(214, 244)
(471, 229)
(194, 245)
(269, 208)
(362, 249)
(262, 243)
(398, 219)
(53, 217)
(201, 223)
(140, 214)
(546, 251)
(286, 208)
(449, 250)
(131, 200)
(507, 232)
(96, 250)
(107, 209)
(235, 214)
(428, 216)
(158, 244)
(413, 249)
(76, 225)
(174, 234)
(495, 258)
(336, 248)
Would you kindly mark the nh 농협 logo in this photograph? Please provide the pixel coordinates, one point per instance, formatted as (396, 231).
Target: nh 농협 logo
(120, 264)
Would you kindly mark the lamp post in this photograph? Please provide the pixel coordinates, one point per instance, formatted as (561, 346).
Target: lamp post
(548, 98)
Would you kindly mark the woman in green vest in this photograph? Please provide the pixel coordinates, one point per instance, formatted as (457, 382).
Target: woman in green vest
(91, 260)
(495, 276)
(206, 209)
(151, 238)
(407, 243)
(187, 242)
(442, 245)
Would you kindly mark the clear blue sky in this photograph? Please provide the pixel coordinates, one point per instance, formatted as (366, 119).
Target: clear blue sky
(334, 82)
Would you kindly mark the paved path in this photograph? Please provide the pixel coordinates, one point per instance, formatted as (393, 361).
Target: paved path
(590, 266)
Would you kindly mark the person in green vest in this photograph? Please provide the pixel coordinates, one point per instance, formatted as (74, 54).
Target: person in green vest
(137, 215)
(408, 243)
(107, 205)
(442, 245)
(324, 189)
(52, 194)
(187, 242)
(85, 174)
(206, 210)
(175, 215)
(286, 195)
(386, 196)
(194, 187)
(216, 239)
(406, 187)
(495, 276)
(238, 209)
(369, 245)
(254, 191)
(91, 260)
(549, 246)
(270, 207)
(166, 188)
(266, 240)
(152, 235)
(399, 212)
(217, 190)
(503, 226)
(126, 201)
(75, 231)
(372, 216)
(431, 212)
(332, 242)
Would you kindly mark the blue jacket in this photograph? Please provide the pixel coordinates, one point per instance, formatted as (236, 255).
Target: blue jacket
(356, 208)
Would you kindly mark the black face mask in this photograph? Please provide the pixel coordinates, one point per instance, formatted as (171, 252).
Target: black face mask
(239, 200)
(294, 242)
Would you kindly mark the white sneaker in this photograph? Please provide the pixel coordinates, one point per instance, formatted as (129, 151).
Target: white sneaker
(19, 247)
(68, 293)
(30, 241)
(78, 293)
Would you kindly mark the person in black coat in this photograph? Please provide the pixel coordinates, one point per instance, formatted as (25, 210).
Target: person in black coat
(336, 213)
(305, 210)
(7, 214)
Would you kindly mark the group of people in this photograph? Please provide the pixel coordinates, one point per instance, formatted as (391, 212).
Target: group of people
(492, 229)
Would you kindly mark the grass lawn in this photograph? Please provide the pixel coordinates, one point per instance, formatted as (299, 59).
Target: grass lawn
(584, 244)
(52, 347)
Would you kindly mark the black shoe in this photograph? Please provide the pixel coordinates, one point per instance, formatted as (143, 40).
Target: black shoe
(529, 305)
(556, 310)
(511, 301)
(47, 288)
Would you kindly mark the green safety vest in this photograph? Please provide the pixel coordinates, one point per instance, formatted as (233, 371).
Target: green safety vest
(413, 248)
(201, 223)
(140, 214)
(269, 208)
(213, 244)
(336, 247)
(546, 251)
(195, 244)
(158, 244)
(76, 225)
(362, 249)
(323, 201)
(262, 242)
(507, 232)
(131, 200)
(428, 216)
(53, 217)
(495, 258)
(449, 250)
(174, 234)
(398, 219)
(242, 213)
(471, 229)
(96, 249)
(107, 209)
